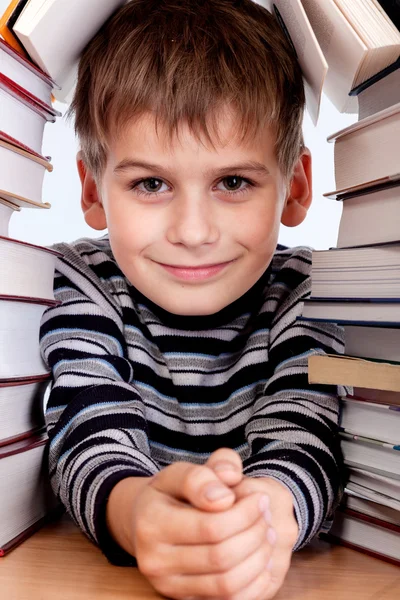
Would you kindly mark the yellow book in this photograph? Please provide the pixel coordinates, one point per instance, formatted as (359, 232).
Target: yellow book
(13, 10)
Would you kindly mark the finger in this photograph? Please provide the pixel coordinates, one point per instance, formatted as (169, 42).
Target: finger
(216, 558)
(203, 527)
(224, 585)
(196, 484)
(227, 464)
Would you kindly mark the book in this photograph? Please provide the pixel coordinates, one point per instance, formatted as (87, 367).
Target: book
(27, 499)
(21, 117)
(380, 95)
(7, 22)
(379, 343)
(24, 73)
(26, 269)
(368, 484)
(392, 9)
(368, 149)
(370, 216)
(390, 512)
(376, 421)
(371, 455)
(369, 272)
(383, 313)
(7, 209)
(367, 534)
(22, 405)
(344, 370)
(26, 190)
(296, 26)
(19, 334)
(43, 23)
(378, 396)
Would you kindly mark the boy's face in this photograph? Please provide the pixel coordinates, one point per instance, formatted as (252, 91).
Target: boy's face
(193, 227)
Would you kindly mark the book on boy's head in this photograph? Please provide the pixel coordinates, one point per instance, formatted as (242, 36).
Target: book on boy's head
(356, 37)
(354, 273)
(19, 336)
(295, 24)
(55, 32)
(24, 483)
(7, 209)
(392, 9)
(26, 269)
(379, 343)
(333, 369)
(370, 216)
(7, 21)
(366, 534)
(368, 150)
(22, 405)
(376, 421)
(22, 175)
(25, 74)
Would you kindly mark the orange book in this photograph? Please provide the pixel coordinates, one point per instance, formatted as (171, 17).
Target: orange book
(6, 31)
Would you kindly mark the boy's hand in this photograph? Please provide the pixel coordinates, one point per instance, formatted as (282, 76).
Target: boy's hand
(189, 546)
(279, 512)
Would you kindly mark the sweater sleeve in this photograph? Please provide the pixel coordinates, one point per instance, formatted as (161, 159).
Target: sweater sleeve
(293, 432)
(95, 417)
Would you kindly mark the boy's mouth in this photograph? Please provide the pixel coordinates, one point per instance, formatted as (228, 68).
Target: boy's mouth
(198, 273)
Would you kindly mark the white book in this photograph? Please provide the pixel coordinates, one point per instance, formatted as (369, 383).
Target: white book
(7, 209)
(375, 421)
(368, 150)
(16, 67)
(21, 118)
(370, 217)
(365, 480)
(22, 405)
(379, 343)
(358, 41)
(55, 32)
(26, 269)
(19, 337)
(22, 176)
(25, 491)
(311, 59)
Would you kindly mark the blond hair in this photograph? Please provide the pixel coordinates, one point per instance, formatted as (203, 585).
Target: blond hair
(183, 60)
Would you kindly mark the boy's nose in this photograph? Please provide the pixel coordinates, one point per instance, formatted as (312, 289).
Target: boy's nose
(192, 224)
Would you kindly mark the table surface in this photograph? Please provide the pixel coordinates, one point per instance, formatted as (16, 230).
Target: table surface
(60, 563)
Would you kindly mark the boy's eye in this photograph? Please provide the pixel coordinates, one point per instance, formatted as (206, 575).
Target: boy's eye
(232, 183)
(152, 184)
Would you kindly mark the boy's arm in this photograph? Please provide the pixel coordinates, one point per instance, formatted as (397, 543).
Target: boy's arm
(95, 418)
(293, 432)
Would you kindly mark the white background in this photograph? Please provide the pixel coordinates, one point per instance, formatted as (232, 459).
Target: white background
(64, 221)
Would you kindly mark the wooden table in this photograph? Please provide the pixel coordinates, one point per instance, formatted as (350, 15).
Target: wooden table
(60, 563)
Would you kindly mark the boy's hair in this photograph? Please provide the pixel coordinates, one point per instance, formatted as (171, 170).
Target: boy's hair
(183, 60)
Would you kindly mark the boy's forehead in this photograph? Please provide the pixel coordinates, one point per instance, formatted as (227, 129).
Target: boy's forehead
(224, 136)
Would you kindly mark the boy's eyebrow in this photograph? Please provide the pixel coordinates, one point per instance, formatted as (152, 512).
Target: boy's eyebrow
(252, 166)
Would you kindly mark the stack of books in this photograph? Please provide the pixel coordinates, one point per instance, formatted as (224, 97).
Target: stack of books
(32, 59)
(357, 284)
(26, 290)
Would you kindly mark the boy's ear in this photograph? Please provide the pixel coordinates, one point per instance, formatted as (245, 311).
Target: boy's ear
(299, 196)
(91, 204)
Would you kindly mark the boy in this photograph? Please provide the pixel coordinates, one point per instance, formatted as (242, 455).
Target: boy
(184, 436)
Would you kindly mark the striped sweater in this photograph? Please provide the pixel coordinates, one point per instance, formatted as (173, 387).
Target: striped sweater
(136, 388)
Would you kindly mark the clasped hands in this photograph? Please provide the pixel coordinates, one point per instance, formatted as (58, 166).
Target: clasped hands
(208, 531)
